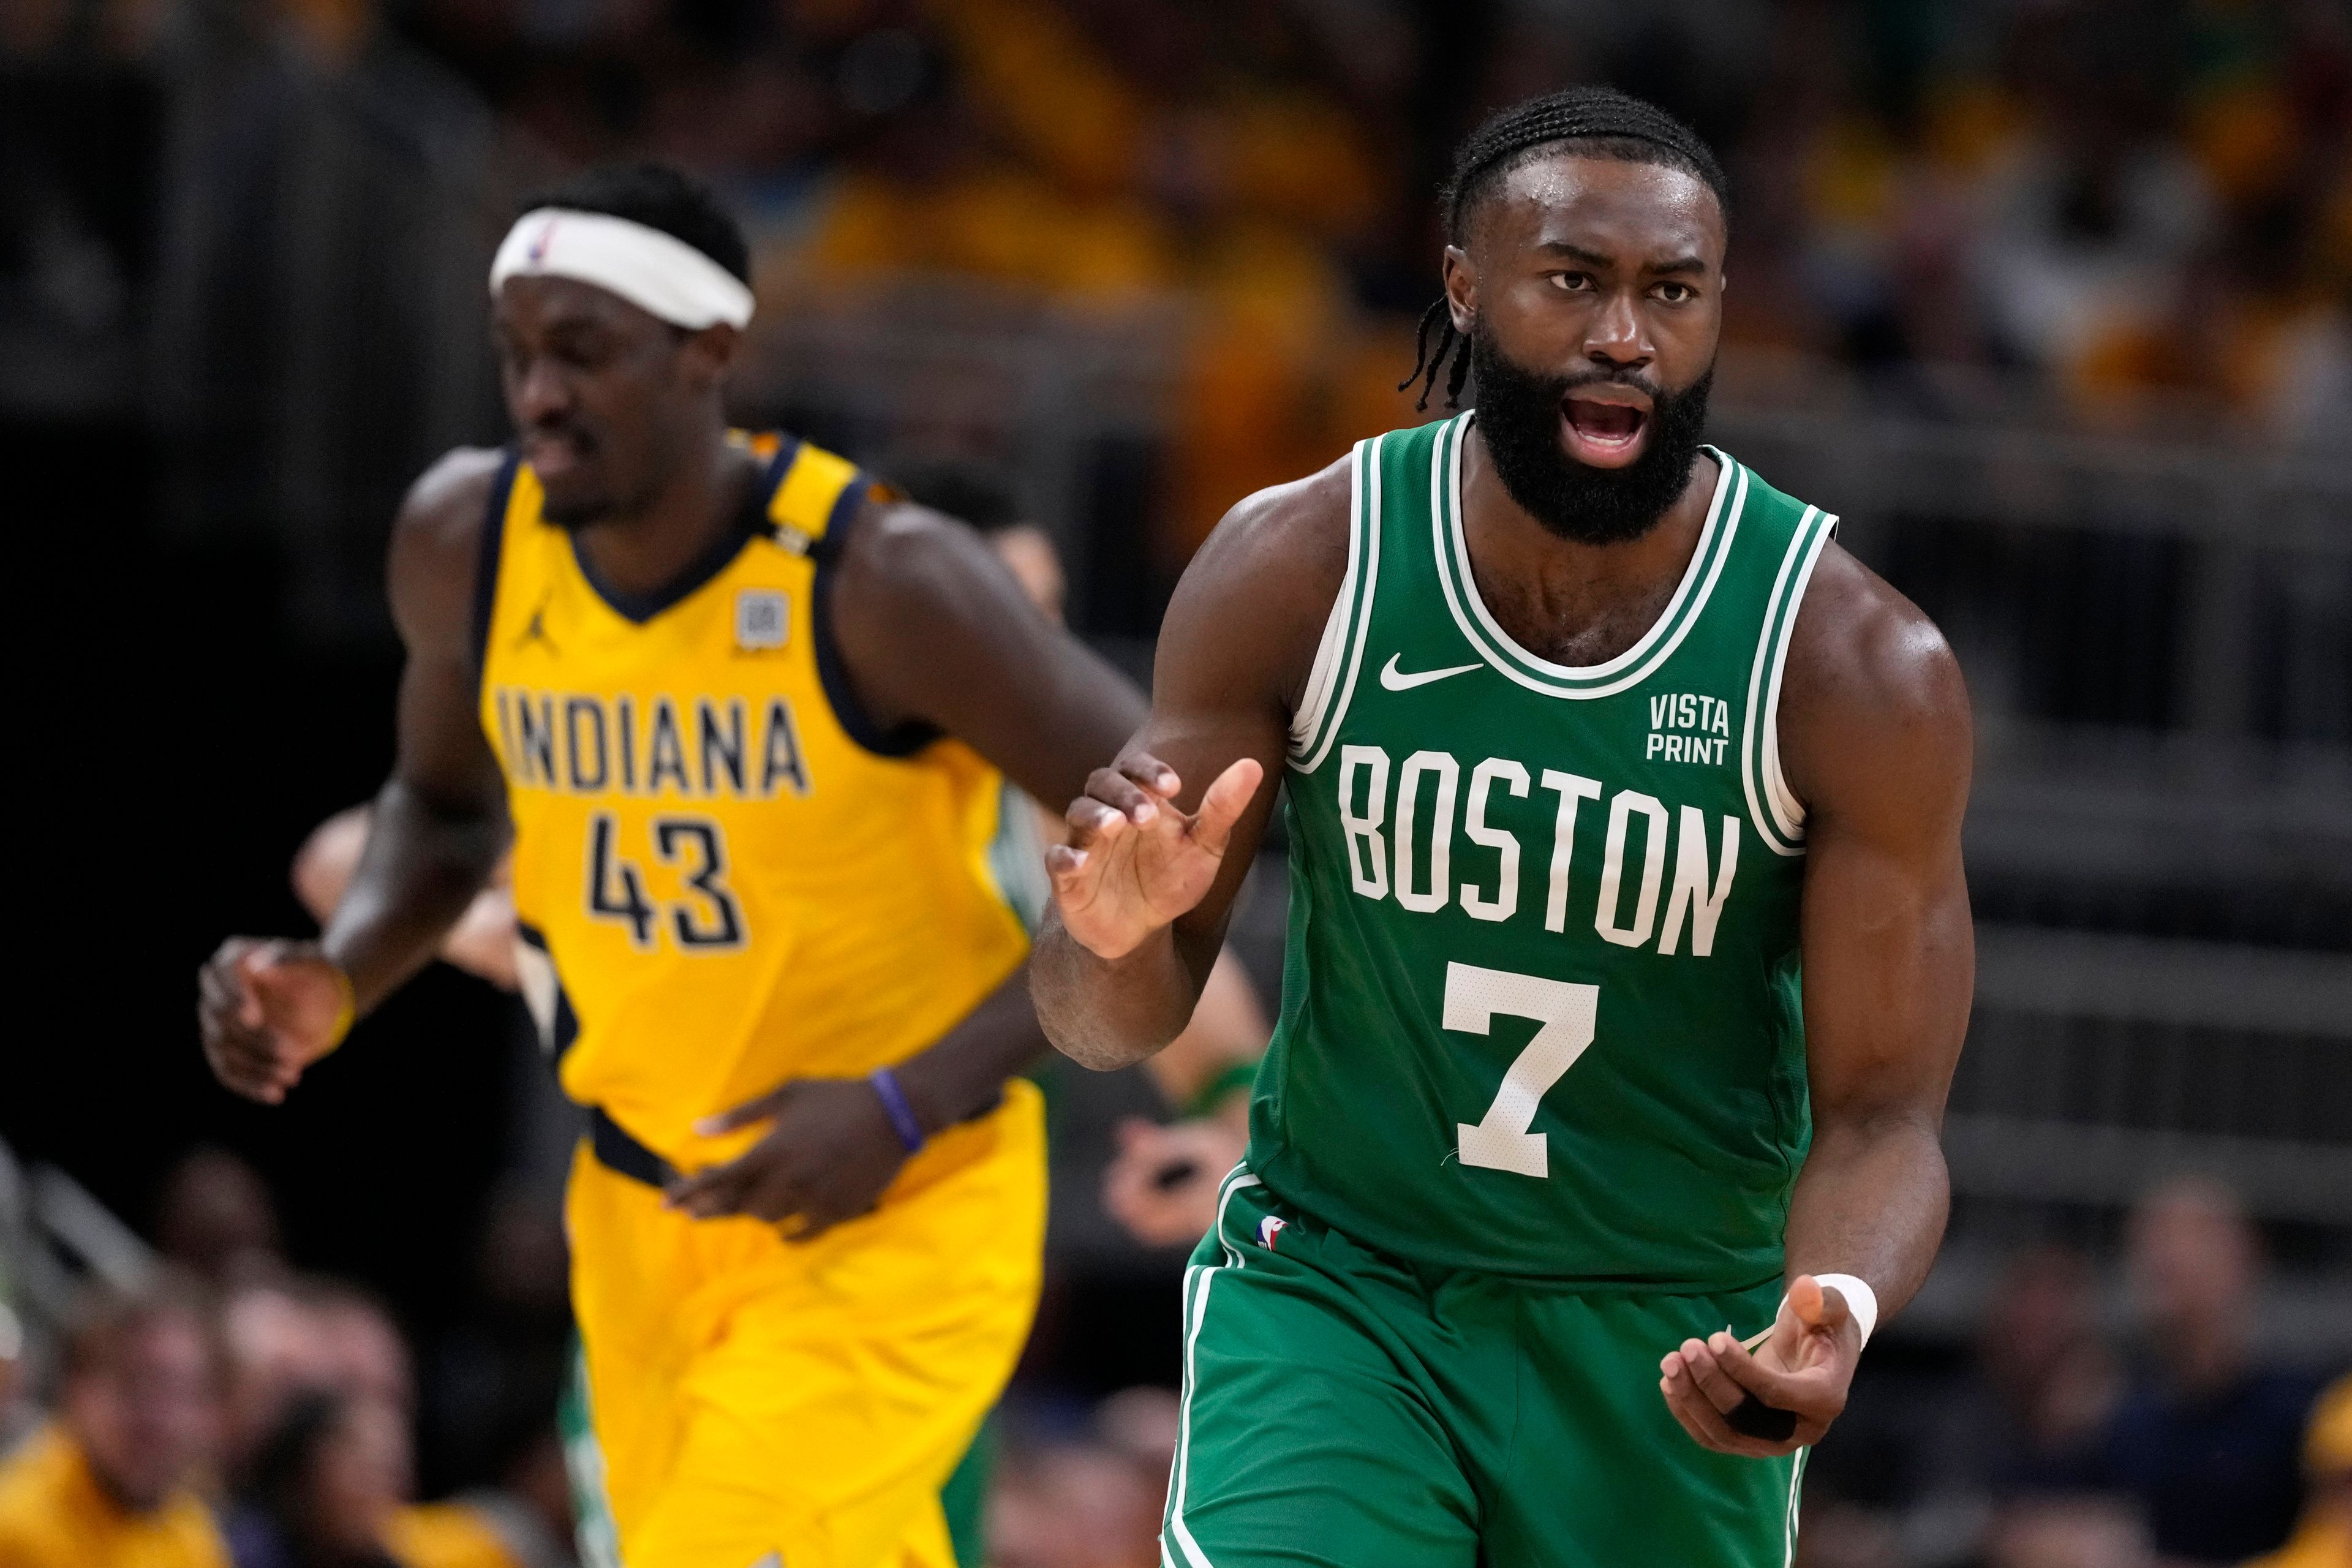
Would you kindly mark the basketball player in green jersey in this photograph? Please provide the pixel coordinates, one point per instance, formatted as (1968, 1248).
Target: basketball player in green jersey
(1629, 951)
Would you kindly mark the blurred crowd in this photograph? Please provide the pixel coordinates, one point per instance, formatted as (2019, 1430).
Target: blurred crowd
(2140, 209)
(260, 226)
(232, 1410)
(225, 1408)
(2113, 211)
(2121, 195)
(2156, 1430)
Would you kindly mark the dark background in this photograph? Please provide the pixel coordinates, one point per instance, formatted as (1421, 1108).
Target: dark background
(2050, 299)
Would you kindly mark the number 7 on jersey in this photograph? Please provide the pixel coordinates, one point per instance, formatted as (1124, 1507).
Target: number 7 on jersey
(1474, 998)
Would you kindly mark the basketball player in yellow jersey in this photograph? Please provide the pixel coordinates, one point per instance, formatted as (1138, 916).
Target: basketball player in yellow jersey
(744, 716)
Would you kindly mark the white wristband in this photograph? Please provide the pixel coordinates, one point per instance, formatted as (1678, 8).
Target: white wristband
(1859, 1300)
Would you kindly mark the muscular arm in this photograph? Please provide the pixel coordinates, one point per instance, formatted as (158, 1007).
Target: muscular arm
(480, 944)
(1876, 740)
(267, 1009)
(1234, 653)
(440, 821)
(934, 629)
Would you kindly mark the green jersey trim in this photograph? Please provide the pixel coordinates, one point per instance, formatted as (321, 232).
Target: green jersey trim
(1331, 681)
(1016, 859)
(1772, 806)
(596, 1537)
(1627, 669)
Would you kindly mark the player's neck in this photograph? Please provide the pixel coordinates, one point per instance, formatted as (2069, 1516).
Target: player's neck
(1565, 601)
(645, 551)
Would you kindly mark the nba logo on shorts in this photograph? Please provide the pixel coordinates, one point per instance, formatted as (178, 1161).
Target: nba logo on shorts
(1268, 1229)
(759, 618)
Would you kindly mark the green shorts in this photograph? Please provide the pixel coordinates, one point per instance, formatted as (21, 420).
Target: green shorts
(1344, 1408)
(964, 1497)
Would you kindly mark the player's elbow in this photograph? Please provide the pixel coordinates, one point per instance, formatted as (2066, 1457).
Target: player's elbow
(1090, 1039)
(1097, 1053)
(1086, 1013)
(1911, 1129)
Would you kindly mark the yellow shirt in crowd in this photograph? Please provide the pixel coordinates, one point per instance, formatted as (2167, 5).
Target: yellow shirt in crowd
(2319, 1543)
(444, 1535)
(2323, 1538)
(53, 1514)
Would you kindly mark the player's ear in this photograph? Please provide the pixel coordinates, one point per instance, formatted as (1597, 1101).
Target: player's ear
(1461, 288)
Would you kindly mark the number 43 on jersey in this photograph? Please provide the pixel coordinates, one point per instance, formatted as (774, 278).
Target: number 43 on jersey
(706, 918)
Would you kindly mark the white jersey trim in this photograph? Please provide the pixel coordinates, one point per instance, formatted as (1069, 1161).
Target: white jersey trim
(1796, 1497)
(1332, 649)
(1198, 1279)
(1339, 656)
(1637, 663)
(1777, 815)
(1787, 809)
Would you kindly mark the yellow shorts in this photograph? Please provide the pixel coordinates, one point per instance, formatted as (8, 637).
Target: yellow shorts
(750, 1396)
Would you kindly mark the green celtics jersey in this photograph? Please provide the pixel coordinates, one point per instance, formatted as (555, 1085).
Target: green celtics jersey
(1541, 1015)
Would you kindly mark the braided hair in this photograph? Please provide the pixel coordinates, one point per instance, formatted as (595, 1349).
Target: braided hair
(1603, 123)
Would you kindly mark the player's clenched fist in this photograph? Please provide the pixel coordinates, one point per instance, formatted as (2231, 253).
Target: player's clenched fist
(267, 1010)
(1134, 862)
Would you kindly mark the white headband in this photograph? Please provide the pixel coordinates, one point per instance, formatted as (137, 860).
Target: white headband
(658, 273)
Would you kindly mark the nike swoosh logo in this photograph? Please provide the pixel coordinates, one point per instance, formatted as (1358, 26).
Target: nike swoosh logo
(1394, 680)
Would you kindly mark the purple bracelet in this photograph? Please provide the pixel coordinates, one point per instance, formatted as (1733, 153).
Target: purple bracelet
(895, 1106)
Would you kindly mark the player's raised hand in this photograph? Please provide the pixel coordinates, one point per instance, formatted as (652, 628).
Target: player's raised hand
(266, 1010)
(1134, 862)
(1728, 1398)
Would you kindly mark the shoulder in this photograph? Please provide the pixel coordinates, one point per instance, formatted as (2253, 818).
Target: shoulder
(1861, 646)
(1297, 530)
(922, 627)
(448, 506)
(436, 541)
(1872, 692)
(907, 594)
(905, 555)
(900, 567)
(1262, 586)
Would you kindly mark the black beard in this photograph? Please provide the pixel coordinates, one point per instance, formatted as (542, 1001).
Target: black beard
(1519, 415)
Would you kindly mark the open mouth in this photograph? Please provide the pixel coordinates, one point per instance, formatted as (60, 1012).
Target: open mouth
(1604, 435)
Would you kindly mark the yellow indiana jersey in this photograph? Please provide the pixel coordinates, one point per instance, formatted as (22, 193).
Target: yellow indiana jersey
(724, 876)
